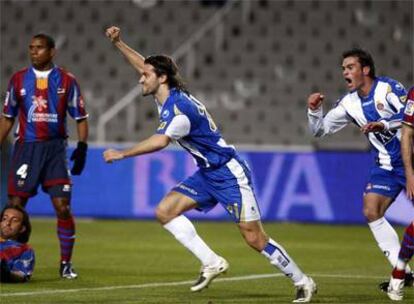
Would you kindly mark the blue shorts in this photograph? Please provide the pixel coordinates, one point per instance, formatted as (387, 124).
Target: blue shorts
(39, 163)
(385, 182)
(230, 185)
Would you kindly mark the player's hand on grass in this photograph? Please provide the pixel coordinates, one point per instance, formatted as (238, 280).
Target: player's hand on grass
(315, 101)
(113, 33)
(372, 127)
(111, 155)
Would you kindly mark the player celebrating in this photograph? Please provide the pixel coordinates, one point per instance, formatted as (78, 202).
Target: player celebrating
(375, 105)
(222, 176)
(40, 96)
(16, 256)
(396, 284)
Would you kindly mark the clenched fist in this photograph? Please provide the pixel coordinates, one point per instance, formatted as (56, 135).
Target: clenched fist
(315, 101)
(113, 33)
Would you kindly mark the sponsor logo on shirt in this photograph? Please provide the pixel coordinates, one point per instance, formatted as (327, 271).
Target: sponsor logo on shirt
(39, 104)
(61, 91)
(409, 108)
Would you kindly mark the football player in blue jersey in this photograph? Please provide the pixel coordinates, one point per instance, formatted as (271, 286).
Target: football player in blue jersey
(223, 177)
(17, 258)
(375, 105)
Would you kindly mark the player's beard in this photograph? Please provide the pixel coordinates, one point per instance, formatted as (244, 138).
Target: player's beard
(149, 91)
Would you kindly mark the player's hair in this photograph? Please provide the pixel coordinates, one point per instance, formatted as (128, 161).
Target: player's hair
(364, 58)
(165, 65)
(25, 235)
(50, 42)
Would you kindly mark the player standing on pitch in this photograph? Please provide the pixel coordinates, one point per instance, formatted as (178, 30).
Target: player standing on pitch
(375, 105)
(40, 96)
(222, 176)
(397, 281)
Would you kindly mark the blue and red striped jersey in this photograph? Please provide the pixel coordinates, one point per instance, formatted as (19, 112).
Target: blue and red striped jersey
(19, 257)
(41, 101)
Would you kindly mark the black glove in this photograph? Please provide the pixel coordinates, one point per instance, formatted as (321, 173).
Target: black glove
(79, 158)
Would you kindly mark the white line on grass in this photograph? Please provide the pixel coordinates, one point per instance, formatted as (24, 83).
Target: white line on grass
(163, 284)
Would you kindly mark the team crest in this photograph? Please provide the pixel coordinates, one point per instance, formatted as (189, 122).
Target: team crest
(380, 106)
(22, 92)
(409, 108)
(165, 114)
(41, 83)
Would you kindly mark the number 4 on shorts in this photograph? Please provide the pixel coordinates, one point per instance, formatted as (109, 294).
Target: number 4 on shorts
(22, 171)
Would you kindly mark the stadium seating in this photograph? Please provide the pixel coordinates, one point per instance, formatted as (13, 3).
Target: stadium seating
(253, 69)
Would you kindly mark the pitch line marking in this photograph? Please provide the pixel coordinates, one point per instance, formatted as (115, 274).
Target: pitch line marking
(164, 284)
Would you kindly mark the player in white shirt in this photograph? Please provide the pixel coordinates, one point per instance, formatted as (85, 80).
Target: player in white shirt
(375, 105)
(222, 177)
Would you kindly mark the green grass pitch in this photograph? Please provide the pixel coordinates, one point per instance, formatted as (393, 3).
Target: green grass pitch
(139, 262)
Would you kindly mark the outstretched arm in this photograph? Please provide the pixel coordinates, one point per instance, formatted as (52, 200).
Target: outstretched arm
(407, 152)
(154, 143)
(135, 58)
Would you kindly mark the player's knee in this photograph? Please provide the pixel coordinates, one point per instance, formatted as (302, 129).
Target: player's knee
(163, 215)
(371, 214)
(255, 240)
(63, 211)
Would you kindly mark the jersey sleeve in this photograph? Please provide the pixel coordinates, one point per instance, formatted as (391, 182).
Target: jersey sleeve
(179, 127)
(395, 98)
(10, 107)
(76, 104)
(174, 123)
(25, 263)
(409, 109)
(336, 119)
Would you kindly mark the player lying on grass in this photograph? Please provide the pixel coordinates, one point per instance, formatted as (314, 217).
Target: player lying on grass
(16, 256)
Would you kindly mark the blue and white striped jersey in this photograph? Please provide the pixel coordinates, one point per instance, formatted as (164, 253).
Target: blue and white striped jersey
(186, 120)
(384, 103)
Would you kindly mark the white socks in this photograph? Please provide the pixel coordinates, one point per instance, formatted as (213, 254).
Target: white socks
(278, 257)
(386, 238)
(185, 233)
